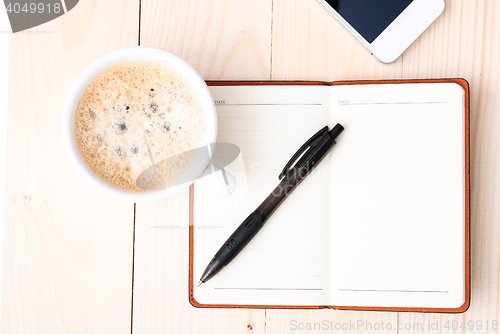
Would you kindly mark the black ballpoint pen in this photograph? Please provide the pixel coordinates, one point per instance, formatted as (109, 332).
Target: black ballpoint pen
(318, 146)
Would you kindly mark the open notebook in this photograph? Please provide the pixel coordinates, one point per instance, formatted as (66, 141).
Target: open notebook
(381, 224)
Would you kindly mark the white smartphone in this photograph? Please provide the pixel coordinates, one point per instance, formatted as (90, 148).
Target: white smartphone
(385, 27)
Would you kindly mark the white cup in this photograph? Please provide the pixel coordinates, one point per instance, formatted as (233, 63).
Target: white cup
(114, 58)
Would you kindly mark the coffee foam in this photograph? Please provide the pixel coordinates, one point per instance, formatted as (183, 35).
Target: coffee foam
(135, 114)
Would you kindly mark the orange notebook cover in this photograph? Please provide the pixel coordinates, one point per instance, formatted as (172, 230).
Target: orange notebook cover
(466, 203)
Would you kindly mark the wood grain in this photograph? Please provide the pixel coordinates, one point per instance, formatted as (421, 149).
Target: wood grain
(68, 249)
(465, 42)
(222, 40)
(161, 303)
(309, 44)
(330, 321)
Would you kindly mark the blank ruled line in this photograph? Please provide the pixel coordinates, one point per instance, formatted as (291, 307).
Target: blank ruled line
(389, 103)
(274, 131)
(269, 104)
(277, 262)
(291, 223)
(350, 278)
(294, 196)
(367, 290)
(393, 170)
(397, 210)
(284, 249)
(280, 222)
(264, 117)
(267, 144)
(374, 142)
(389, 197)
(396, 250)
(385, 156)
(350, 223)
(295, 289)
(390, 263)
(393, 238)
(372, 251)
(272, 275)
(296, 236)
(421, 117)
(398, 183)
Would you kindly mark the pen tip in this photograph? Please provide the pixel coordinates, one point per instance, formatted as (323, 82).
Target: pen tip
(199, 283)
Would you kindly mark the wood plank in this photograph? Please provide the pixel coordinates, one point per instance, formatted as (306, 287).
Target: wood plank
(161, 267)
(68, 249)
(222, 40)
(465, 42)
(330, 321)
(309, 44)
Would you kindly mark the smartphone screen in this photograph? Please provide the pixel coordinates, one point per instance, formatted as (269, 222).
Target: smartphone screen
(369, 17)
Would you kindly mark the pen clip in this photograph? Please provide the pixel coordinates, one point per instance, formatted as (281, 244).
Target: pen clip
(310, 142)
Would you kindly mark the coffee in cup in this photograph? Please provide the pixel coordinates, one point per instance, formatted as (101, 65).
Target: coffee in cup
(134, 114)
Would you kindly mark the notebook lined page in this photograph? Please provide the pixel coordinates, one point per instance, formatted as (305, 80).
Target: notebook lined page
(397, 196)
(288, 261)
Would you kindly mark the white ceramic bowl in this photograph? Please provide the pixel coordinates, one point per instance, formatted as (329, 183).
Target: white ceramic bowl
(114, 58)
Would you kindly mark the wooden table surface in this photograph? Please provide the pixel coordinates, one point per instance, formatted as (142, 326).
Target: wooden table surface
(76, 261)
